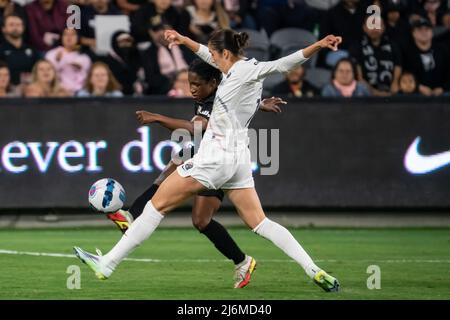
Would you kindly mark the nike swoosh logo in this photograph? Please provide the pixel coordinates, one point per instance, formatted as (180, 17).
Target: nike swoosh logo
(419, 164)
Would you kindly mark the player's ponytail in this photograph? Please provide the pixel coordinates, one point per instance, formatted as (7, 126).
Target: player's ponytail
(228, 39)
(241, 40)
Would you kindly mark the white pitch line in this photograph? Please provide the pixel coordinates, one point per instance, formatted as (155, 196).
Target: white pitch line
(63, 255)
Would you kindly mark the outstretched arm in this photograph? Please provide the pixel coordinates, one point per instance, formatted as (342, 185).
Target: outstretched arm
(329, 42)
(287, 63)
(145, 117)
(174, 38)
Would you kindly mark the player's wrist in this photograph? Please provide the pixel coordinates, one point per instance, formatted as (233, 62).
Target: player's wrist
(184, 40)
(322, 44)
(157, 117)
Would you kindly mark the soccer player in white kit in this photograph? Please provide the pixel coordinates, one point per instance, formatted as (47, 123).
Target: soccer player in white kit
(223, 159)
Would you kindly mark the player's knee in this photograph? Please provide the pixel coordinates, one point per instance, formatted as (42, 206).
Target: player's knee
(200, 222)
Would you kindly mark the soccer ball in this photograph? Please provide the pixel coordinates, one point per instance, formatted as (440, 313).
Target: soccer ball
(106, 195)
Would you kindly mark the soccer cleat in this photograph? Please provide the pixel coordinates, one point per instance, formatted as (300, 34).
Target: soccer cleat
(326, 282)
(94, 262)
(122, 218)
(244, 271)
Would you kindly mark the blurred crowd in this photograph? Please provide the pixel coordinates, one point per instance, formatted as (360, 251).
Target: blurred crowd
(403, 51)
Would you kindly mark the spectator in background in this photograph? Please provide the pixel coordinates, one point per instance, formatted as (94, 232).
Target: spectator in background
(161, 64)
(396, 24)
(7, 8)
(100, 83)
(206, 16)
(19, 56)
(379, 61)
(428, 62)
(181, 86)
(432, 10)
(158, 12)
(407, 84)
(71, 65)
(295, 85)
(129, 6)
(342, 20)
(6, 89)
(88, 13)
(46, 21)
(344, 83)
(240, 13)
(445, 20)
(45, 83)
(124, 61)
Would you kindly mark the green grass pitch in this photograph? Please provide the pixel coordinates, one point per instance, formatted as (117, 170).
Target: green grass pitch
(414, 264)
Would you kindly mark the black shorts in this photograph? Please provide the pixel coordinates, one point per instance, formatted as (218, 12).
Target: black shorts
(212, 193)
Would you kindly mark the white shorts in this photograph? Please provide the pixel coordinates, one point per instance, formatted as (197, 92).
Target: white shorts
(216, 168)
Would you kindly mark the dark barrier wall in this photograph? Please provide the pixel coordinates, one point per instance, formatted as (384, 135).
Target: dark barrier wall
(332, 153)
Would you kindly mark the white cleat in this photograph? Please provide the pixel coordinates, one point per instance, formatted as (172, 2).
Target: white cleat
(94, 262)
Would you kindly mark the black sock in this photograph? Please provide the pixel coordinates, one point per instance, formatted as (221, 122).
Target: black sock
(218, 235)
(138, 205)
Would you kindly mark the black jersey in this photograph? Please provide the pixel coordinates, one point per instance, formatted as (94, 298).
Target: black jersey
(204, 108)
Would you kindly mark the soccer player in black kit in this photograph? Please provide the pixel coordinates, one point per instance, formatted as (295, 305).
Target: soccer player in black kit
(203, 81)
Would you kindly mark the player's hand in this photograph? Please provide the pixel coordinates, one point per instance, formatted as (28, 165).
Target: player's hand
(331, 42)
(173, 38)
(271, 104)
(145, 117)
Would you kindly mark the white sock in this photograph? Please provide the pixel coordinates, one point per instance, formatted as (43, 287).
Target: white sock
(138, 232)
(284, 240)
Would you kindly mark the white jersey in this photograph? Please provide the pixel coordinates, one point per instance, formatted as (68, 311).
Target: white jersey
(223, 159)
(239, 94)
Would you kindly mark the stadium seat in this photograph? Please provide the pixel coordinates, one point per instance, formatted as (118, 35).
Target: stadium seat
(318, 77)
(322, 4)
(272, 80)
(258, 46)
(288, 40)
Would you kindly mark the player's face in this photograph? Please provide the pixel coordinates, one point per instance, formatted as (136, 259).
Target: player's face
(45, 72)
(219, 58)
(200, 89)
(4, 78)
